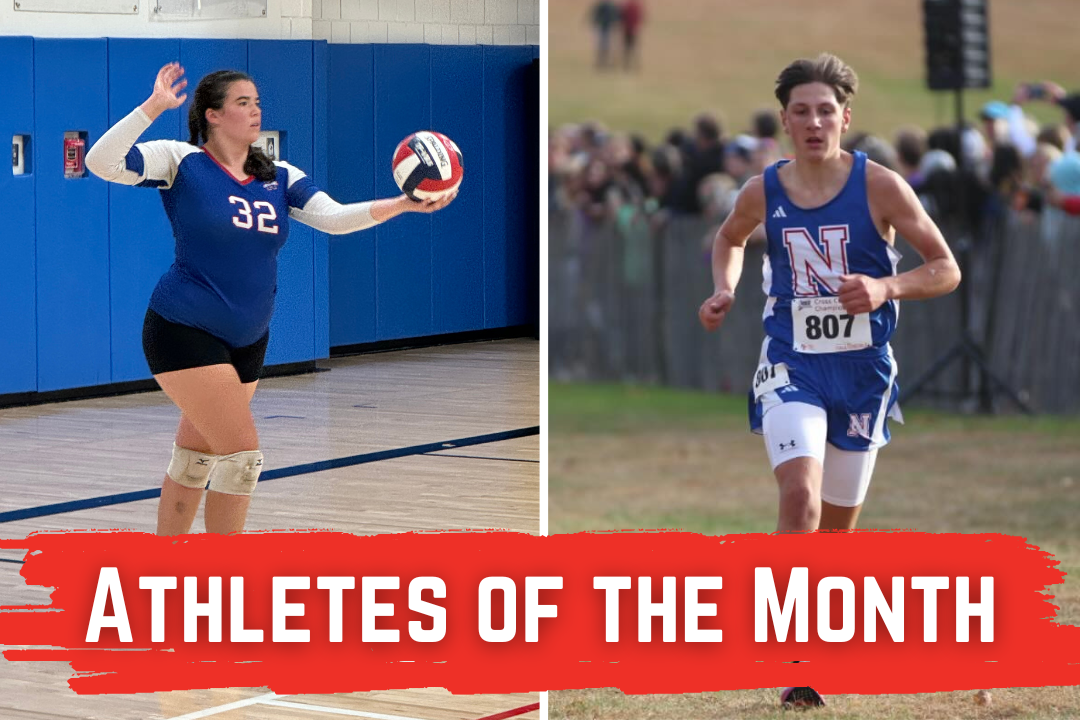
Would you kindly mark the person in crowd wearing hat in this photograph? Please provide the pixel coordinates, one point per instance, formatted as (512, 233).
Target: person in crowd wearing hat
(994, 116)
(1064, 176)
(739, 158)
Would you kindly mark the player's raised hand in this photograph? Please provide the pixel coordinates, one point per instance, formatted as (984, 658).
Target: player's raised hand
(713, 311)
(430, 206)
(861, 293)
(168, 85)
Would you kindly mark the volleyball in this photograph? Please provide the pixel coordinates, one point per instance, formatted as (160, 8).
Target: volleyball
(427, 165)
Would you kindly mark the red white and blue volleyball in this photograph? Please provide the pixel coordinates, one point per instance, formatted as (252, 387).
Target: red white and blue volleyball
(427, 165)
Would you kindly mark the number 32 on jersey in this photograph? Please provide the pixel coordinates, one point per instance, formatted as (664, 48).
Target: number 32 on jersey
(244, 219)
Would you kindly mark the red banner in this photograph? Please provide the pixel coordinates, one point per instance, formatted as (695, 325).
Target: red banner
(661, 612)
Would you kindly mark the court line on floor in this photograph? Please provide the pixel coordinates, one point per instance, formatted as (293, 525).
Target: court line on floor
(480, 457)
(333, 710)
(275, 473)
(226, 708)
(512, 713)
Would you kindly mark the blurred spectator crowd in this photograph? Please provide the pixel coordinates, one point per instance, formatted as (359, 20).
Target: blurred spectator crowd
(1005, 162)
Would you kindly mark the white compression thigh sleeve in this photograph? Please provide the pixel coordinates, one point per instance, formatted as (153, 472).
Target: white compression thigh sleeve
(190, 468)
(846, 476)
(238, 473)
(794, 430)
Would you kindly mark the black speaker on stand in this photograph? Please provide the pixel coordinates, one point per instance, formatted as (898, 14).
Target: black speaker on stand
(958, 57)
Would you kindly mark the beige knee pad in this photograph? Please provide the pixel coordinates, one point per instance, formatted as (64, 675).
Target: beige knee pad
(190, 468)
(237, 474)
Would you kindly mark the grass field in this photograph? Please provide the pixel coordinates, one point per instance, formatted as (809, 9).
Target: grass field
(636, 457)
(724, 56)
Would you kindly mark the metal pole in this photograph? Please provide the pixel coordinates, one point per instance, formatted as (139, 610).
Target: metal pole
(963, 246)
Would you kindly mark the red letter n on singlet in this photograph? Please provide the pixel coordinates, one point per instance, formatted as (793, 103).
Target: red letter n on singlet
(824, 260)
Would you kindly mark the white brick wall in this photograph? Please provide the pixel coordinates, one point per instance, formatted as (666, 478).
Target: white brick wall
(500, 12)
(369, 31)
(436, 22)
(279, 23)
(359, 10)
(402, 32)
(433, 11)
(397, 10)
(340, 31)
(466, 34)
(467, 11)
(301, 28)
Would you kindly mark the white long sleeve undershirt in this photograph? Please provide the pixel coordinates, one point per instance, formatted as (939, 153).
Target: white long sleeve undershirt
(161, 159)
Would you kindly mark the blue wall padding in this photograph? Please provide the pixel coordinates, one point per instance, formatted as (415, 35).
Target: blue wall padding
(457, 239)
(284, 73)
(320, 59)
(201, 57)
(474, 265)
(79, 258)
(18, 346)
(140, 237)
(402, 247)
(507, 263)
(351, 178)
(72, 229)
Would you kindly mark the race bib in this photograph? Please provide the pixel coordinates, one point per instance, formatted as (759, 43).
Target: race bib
(769, 378)
(821, 325)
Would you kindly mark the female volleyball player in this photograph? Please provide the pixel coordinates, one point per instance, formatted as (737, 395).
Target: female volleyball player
(206, 329)
(826, 380)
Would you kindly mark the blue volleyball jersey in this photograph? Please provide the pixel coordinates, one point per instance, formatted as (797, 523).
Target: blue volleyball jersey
(228, 233)
(808, 251)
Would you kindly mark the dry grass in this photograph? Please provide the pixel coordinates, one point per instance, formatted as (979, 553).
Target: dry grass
(723, 56)
(652, 458)
(1008, 704)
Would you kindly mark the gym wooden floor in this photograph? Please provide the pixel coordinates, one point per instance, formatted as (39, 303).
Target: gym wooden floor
(75, 451)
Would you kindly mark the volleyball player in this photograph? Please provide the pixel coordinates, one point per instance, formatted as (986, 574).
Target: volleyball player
(207, 325)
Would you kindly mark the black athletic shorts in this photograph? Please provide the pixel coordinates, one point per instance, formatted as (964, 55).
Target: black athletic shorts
(170, 346)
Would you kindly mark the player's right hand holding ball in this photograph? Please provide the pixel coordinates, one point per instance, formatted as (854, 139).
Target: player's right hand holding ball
(430, 205)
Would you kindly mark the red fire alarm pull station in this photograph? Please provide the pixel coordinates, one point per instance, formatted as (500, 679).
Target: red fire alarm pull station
(74, 152)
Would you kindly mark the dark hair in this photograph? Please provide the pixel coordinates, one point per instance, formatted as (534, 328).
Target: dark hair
(911, 145)
(878, 150)
(211, 94)
(1055, 135)
(945, 138)
(676, 137)
(825, 68)
(1006, 169)
(851, 142)
(765, 124)
(707, 127)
